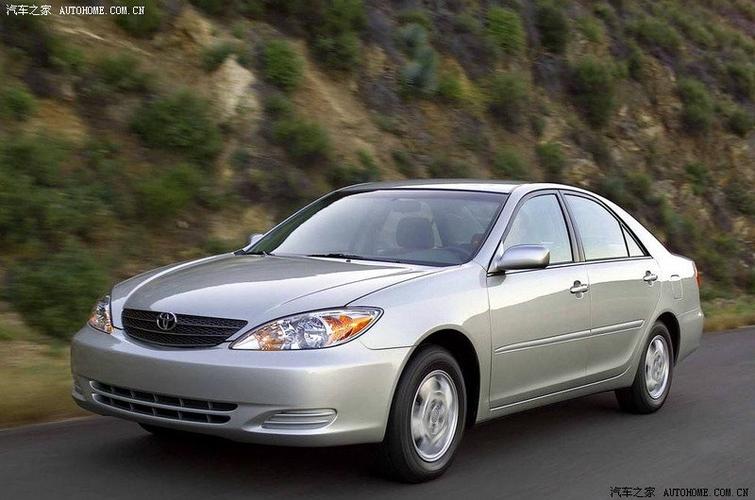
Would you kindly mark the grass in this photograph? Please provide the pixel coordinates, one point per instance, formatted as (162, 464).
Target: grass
(35, 376)
(723, 314)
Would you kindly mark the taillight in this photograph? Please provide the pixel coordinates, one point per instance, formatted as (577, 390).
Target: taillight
(698, 277)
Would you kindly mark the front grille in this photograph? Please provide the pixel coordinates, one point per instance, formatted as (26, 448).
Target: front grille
(189, 331)
(160, 405)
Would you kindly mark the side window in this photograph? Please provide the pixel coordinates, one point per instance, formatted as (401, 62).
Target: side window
(540, 221)
(602, 235)
(634, 248)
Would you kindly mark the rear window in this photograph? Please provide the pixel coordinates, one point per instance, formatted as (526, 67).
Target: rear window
(602, 235)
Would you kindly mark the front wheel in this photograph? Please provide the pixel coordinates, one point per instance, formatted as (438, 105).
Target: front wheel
(653, 379)
(427, 417)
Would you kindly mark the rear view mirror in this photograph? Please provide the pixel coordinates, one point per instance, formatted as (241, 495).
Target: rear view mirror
(522, 257)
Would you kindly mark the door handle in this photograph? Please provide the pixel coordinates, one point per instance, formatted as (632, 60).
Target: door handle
(579, 287)
(649, 277)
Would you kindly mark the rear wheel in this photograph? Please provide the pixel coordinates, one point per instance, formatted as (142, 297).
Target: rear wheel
(427, 417)
(653, 379)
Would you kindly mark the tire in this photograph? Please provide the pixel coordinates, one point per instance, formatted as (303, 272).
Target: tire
(434, 370)
(651, 387)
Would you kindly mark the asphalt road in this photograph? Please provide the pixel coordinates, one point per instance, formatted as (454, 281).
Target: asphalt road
(703, 437)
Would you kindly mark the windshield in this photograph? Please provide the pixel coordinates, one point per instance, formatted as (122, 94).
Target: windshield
(431, 227)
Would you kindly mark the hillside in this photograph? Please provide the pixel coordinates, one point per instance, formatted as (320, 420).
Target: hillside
(130, 142)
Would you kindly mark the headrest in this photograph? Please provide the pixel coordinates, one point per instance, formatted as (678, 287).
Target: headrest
(415, 233)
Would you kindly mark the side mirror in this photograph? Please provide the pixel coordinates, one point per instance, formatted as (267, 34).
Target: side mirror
(254, 238)
(522, 257)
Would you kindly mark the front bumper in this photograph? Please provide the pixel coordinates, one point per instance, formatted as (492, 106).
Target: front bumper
(351, 379)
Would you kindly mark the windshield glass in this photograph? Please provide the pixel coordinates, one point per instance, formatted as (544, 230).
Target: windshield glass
(431, 227)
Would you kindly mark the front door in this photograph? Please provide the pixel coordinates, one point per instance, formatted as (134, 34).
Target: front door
(540, 318)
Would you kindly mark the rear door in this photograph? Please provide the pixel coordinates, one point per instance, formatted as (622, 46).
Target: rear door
(624, 287)
(540, 319)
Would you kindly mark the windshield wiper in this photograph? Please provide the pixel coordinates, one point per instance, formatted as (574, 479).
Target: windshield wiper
(337, 255)
(348, 256)
(260, 252)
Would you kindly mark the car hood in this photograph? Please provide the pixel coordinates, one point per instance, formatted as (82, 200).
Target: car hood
(257, 288)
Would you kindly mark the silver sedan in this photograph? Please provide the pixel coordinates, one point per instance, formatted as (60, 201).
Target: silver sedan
(397, 313)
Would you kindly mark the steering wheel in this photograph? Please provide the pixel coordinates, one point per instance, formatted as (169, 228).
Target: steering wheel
(458, 250)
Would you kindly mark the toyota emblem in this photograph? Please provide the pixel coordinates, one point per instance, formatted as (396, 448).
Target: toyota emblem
(166, 321)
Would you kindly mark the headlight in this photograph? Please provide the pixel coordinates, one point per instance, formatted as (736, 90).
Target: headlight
(100, 318)
(309, 330)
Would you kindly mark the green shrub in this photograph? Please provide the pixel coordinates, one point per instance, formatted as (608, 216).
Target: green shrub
(345, 174)
(55, 292)
(698, 107)
(466, 22)
(507, 164)
(339, 16)
(614, 188)
(121, 73)
(505, 30)
(180, 122)
(415, 16)
(654, 32)
(538, 124)
(65, 57)
(449, 87)
(551, 159)
(607, 13)
(592, 84)
(282, 66)
(637, 64)
(304, 141)
(165, 195)
(215, 55)
(251, 8)
(741, 122)
(553, 26)
(509, 99)
(681, 231)
(278, 106)
(404, 164)
(419, 77)
(368, 161)
(142, 26)
(334, 28)
(699, 177)
(37, 156)
(45, 197)
(694, 29)
(741, 79)
(212, 7)
(591, 29)
(412, 38)
(340, 51)
(640, 187)
(16, 102)
(449, 168)
(21, 207)
(740, 197)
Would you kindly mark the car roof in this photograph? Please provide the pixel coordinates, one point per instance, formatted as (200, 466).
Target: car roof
(497, 186)
(485, 185)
